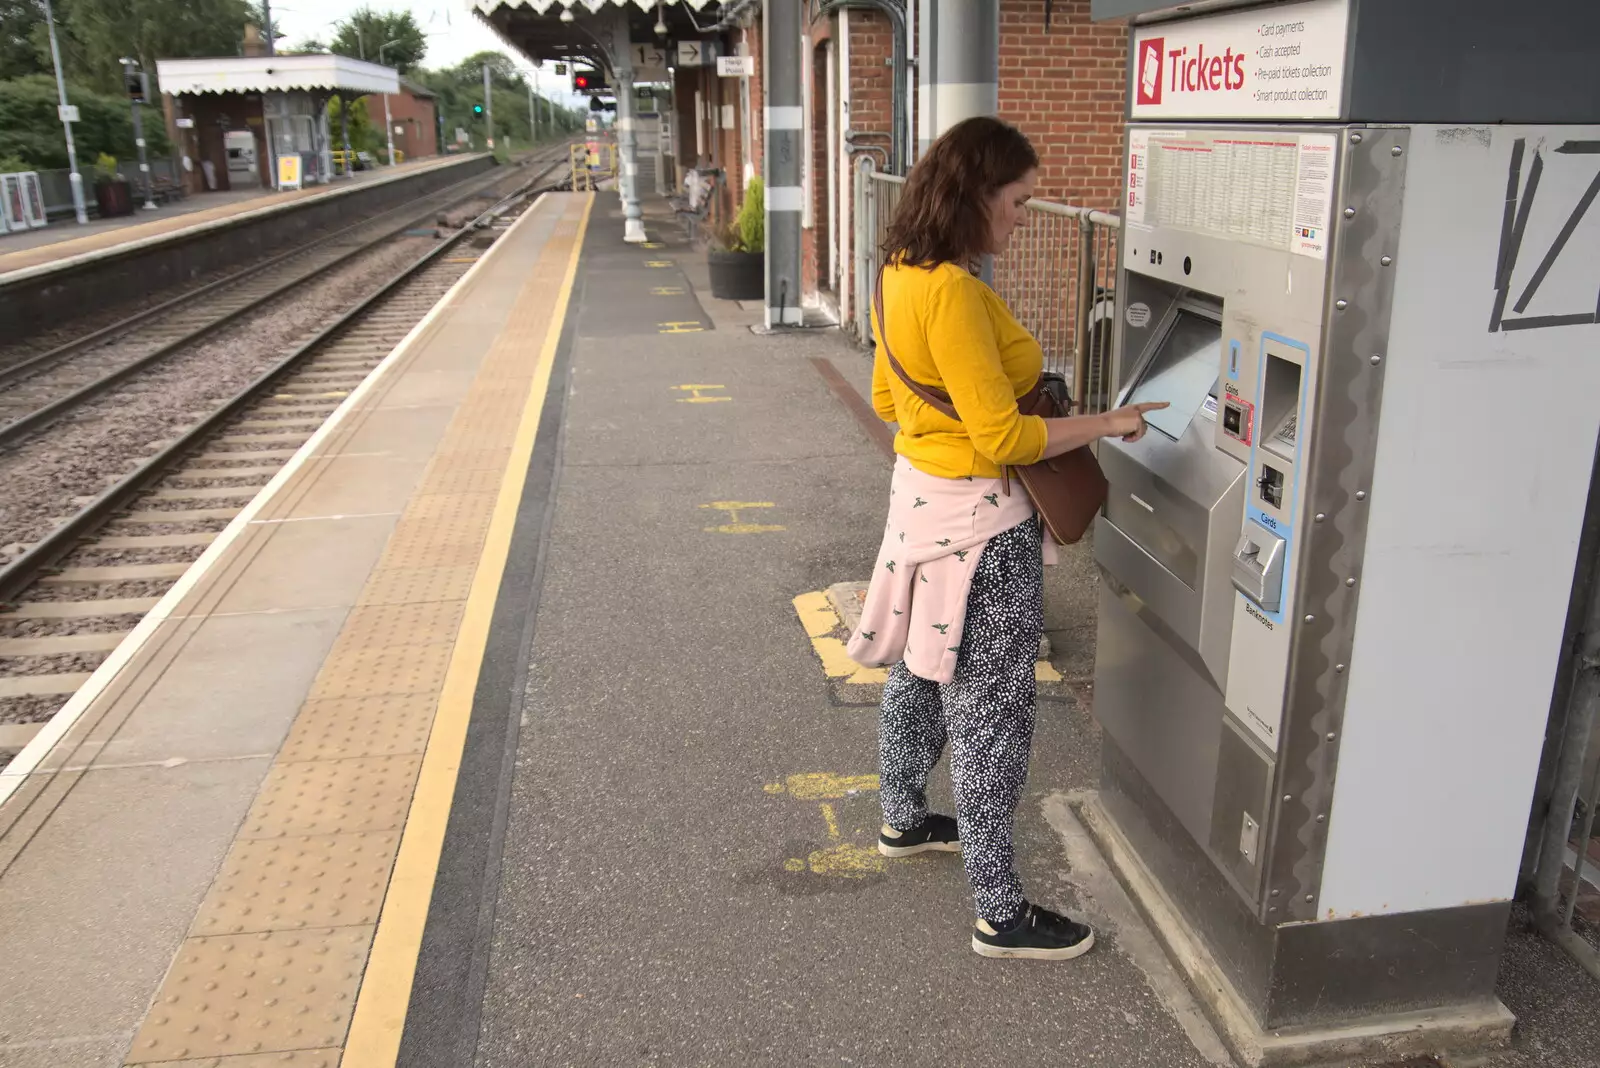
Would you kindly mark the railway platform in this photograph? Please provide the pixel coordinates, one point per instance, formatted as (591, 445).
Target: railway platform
(502, 728)
(68, 241)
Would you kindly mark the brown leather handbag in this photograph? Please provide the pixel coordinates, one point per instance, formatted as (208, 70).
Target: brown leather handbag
(1067, 490)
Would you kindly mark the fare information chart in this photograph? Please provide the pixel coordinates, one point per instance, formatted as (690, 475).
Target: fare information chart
(1272, 189)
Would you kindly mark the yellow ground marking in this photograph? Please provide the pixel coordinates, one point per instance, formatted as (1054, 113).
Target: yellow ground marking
(820, 621)
(380, 1012)
(652, 244)
(699, 394)
(693, 326)
(658, 263)
(667, 291)
(734, 526)
(823, 786)
(840, 859)
(831, 819)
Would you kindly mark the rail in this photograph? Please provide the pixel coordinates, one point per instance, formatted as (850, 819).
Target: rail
(24, 569)
(1057, 278)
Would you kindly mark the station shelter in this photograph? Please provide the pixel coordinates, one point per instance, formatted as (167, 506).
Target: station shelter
(281, 101)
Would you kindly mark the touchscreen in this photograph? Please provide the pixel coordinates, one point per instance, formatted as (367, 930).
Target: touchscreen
(1183, 373)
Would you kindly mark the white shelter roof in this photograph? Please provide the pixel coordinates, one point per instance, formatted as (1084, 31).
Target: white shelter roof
(541, 6)
(263, 74)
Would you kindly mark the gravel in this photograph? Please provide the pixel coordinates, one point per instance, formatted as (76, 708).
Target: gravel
(29, 709)
(50, 628)
(55, 664)
(83, 454)
(97, 591)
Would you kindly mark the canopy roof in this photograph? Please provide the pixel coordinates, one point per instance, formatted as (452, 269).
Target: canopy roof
(264, 74)
(534, 27)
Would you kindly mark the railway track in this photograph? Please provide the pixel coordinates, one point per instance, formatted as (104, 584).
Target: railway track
(39, 388)
(72, 596)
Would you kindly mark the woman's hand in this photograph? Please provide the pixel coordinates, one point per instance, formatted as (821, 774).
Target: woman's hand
(1076, 431)
(1128, 423)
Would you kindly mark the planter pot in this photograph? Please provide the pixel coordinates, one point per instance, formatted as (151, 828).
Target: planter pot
(113, 199)
(738, 275)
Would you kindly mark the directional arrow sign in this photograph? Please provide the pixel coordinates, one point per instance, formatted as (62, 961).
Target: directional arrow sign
(691, 54)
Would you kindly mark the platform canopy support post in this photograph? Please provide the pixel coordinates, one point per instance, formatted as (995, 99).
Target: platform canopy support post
(627, 140)
(780, 161)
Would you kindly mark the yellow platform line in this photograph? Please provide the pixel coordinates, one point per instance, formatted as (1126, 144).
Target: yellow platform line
(380, 1012)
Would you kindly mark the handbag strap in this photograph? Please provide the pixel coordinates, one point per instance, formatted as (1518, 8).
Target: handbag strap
(936, 399)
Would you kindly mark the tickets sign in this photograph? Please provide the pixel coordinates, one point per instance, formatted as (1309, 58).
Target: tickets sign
(1278, 62)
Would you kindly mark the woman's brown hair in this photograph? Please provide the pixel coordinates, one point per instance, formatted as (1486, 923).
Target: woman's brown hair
(943, 215)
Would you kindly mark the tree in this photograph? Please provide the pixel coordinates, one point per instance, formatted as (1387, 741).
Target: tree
(362, 35)
(31, 131)
(22, 32)
(258, 16)
(458, 89)
(311, 46)
(96, 34)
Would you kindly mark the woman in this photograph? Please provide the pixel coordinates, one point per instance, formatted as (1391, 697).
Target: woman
(956, 603)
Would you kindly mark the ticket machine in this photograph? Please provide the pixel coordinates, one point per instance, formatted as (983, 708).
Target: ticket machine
(1360, 261)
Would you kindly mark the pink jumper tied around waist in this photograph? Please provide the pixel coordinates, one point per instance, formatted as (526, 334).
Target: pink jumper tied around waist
(916, 603)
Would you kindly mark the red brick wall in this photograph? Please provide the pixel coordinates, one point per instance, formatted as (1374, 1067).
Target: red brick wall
(871, 79)
(1066, 90)
(415, 116)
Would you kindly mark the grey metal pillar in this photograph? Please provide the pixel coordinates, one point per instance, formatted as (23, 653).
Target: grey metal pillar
(959, 60)
(627, 141)
(780, 162)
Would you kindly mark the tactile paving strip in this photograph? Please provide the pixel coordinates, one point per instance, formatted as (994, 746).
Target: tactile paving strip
(333, 796)
(378, 671)
(251, 993)
(361, 726)
(293, 908)
(295, 1058)
(411, 585)
(280, 884)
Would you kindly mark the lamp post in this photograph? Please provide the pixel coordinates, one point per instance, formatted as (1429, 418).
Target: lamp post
(388, 123)
(138, 87)
(65, 112)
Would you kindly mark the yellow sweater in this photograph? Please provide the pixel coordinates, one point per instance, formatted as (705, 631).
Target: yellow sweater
(952, 332)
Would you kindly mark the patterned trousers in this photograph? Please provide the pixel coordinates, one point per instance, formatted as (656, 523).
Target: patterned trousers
(985, 713)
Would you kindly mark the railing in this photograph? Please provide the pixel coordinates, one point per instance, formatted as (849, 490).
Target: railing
(1057, 278)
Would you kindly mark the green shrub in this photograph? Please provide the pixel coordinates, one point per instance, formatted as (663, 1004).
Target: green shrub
(751, 223)
(105, 168)
(31, 131)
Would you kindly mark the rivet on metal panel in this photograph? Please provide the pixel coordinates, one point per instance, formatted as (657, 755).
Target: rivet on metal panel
(1322, 819)
(1288, 798)
(1355, 139)
(1338, 669)
(1349, 582)
(1275, 893)
(1331, 736)
(1361, 495)
(1376, 360)
(1311, 619)
(1396, 150)
(1321, 516)
(1272, 909)
(1309, 899)
(1341, 304)
(1387, 260)
(1349, 213)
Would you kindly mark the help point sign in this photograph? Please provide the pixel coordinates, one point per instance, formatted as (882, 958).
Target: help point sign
(1279, 62)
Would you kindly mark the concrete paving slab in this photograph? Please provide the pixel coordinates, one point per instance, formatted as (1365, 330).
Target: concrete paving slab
(130, 856)
(211, 703)
(309, 564)
(352, 485)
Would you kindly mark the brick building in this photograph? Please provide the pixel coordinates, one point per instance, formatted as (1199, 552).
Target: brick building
(415, 115)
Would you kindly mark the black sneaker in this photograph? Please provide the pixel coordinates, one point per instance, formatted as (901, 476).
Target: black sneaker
(937, 833)
(1038, 935)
